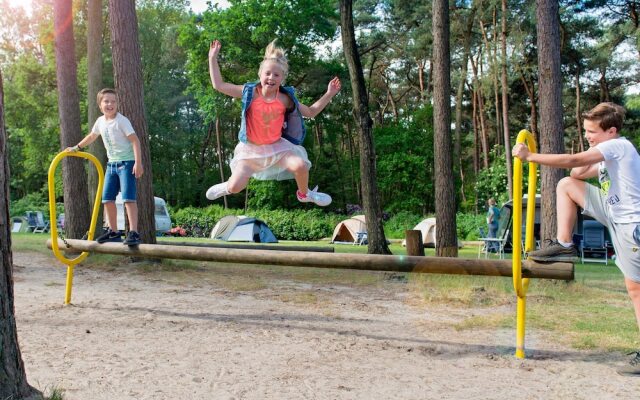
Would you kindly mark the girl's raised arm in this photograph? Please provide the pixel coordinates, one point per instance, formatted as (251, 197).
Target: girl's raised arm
(311, 111)
(216, 77)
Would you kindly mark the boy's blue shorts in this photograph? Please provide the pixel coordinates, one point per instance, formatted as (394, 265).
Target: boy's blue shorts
(119, 177)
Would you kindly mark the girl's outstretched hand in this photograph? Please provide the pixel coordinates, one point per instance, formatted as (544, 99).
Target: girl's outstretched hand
(334, 86)
(214, 50)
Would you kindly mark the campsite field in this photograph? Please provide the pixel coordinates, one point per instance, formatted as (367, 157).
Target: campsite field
(208, 330)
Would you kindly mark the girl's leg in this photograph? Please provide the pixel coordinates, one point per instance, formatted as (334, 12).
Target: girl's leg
(570, 195)
(237, 182)
(298, 168)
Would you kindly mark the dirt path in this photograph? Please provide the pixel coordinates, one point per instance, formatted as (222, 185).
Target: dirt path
(130, 335)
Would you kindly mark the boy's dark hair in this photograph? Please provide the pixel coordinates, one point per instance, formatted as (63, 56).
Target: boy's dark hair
(105, 91)
(607, 114)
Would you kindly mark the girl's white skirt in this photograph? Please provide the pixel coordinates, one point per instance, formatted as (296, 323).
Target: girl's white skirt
(266, 161)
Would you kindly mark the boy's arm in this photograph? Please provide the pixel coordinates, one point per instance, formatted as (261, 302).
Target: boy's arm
(216, 77)
(583, 159)
(315, 109)
(138, 169)
(86, 141)
(586, 172)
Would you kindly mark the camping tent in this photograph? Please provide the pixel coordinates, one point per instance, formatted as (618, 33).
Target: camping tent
(234, 228)
(428, 229)
(347, 230)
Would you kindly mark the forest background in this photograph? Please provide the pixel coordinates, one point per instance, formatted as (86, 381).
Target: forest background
(193, 130)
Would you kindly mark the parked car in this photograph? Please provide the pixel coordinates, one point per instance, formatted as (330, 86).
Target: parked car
(163, 220)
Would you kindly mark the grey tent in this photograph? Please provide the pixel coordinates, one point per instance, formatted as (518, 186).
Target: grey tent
(234, 228)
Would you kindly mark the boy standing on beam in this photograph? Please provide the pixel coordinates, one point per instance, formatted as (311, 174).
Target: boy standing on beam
(616, 204)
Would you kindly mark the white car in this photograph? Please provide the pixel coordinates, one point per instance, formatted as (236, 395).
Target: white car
(163, 220)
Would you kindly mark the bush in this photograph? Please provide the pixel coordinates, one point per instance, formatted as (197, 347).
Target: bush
(394, 228)
(33, 202)
(286, 224)
(468, 225)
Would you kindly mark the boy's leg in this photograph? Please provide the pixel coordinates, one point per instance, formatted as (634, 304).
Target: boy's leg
(132, 214)
(111, 212)
(633, 288)
(570, 195)
(109, 192)
(633, 368)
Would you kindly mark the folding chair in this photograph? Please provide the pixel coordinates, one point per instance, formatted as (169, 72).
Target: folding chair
(593, 242)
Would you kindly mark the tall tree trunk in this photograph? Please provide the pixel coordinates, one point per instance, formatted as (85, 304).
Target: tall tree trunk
(127, 69)
(446, 240)
(370, 197)
(484, 137)
(459, 98)
(491, 58)
(579, 113)
(505, 101)
(533, 115)
(13, 378)
(76, 204)
(550, 88)
(94, 85)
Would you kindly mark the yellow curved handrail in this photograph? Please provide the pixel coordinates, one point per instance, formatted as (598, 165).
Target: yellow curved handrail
(520, 285)
(52, 214)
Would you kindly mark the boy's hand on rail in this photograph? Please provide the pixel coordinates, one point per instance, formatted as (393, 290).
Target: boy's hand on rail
(521, 151)
(71, 149)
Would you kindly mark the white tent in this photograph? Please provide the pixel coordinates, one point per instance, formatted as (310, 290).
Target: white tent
(348, 229)
(428, 229)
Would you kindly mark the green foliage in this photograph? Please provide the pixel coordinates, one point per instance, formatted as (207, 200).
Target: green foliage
(398, 223)
(286, 224)
(404, 161)
(32, 202)
(468, 225)
(492, 182)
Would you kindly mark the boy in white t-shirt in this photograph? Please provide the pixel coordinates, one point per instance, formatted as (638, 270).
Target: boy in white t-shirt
(616, 204)
(123, 168)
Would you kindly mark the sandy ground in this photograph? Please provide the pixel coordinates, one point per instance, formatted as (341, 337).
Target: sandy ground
(133, 335)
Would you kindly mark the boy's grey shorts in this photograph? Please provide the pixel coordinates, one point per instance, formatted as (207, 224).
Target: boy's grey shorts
(627, 251)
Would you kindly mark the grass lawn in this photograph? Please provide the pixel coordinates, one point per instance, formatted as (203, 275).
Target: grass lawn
(591, 312)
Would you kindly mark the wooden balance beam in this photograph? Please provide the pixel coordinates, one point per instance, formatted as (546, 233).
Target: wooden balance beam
(371, 262)
(257, 246)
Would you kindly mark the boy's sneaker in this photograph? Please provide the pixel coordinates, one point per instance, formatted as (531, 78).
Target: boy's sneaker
(313, 196)
(633, 369)
(218, 190)
(554, 251)
(109, 236)
(133, 238)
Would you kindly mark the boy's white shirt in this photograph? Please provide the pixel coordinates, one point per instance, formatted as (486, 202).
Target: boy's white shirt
(114, 134)
(619, 176)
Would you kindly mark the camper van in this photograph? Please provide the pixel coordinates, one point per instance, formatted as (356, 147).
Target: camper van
(163, 220)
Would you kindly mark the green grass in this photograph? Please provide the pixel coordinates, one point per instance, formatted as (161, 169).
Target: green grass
(591, 312)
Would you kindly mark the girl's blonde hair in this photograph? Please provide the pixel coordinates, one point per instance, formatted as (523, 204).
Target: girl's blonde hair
(275, 54)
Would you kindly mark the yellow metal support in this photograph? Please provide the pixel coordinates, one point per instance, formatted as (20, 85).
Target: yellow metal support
(70, 263)
(520, 285)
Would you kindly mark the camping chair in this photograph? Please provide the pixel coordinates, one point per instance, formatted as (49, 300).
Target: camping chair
(593, 242)
(32, 220)
(492, 245)
(361, 238)
(41, 226)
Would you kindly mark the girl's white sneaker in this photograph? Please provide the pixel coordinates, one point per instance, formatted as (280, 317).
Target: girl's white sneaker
(313, 196)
